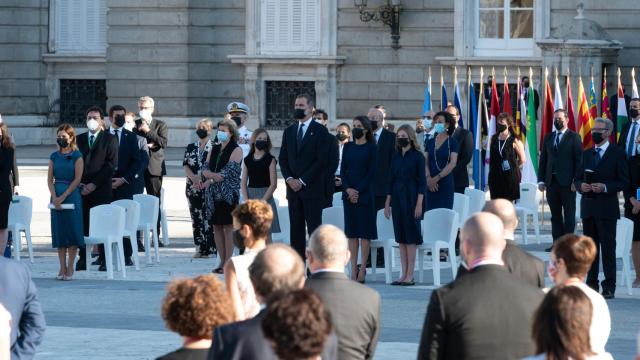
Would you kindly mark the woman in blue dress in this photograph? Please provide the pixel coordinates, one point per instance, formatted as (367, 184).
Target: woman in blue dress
(64, 175)
(441, 156)
(356, 173)
(405, 199)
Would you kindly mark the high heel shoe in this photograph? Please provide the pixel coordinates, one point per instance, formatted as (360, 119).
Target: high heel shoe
(365, 275)
(67, 277)
(59, 277)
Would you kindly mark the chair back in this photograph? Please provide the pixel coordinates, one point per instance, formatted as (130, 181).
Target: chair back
(285, 227)
(106, 221)
(624, 236)
(385, 226)
(440, 225)
(334, 216)
(461, 206)
(132, 209)
(476, 200)
(21, 211)
(337, 199)
(530, 196)
(578, 199)
(149, 204)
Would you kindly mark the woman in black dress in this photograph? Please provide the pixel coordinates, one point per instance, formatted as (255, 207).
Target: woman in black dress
(506, 158)
(222, 181)
(7, 158)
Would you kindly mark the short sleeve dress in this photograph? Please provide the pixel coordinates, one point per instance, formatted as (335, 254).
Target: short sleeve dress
(66, 225)
(438, 160)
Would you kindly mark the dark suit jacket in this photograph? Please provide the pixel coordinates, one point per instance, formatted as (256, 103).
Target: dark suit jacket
(138, 183)
(355, 313)
(485, 314)
(244, 340)
(333, 160)
(613, 172)
(19, 296)
(564, 162)
(309, 163)
(129, 164)
(528, 268)
(460, 174)
(100, 161)
(159, 135)
(386, 148)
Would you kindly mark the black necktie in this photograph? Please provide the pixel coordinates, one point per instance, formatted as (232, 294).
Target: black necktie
(555, 145)
(597, 157)
(300, 134)
(117, 134)
(91, 139)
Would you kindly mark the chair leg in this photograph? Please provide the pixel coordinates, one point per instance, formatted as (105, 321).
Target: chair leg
(134, 253)
(453, 261)
(147, 245)
(536, 226)
(626, 272)
(165, 228)
(87, 255)
(420, 264)
(435, 257)
(374, 257)
(123, 267)
(17, 243)
(155, 245)
(388, 268)
(27, 235)
(525, 218)
(108, 260)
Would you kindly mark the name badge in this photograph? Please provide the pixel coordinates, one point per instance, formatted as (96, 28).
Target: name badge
(505, 165)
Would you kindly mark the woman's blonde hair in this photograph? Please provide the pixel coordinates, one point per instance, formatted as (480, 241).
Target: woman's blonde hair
(206, 123)
(411, 134)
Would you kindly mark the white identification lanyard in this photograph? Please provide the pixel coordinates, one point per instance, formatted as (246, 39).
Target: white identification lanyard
(501, 145)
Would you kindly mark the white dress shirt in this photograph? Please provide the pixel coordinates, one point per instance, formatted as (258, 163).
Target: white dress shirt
(631, 138)
(377, 133)
(306, 127)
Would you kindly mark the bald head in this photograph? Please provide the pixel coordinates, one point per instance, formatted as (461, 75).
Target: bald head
(375, 115)
(482, 237)
(327, 248)
(276, 268)
(505, 210)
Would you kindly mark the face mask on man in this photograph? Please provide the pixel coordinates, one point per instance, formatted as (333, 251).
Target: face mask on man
(427, 122)
(119, 120)
(634, 113)
(145, 114)
(597, 137)
(237, 120)
(92, 125)
(558, 124)
(299, 114)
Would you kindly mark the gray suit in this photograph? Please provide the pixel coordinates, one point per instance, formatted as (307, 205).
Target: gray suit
(355, 313)
(19, 296)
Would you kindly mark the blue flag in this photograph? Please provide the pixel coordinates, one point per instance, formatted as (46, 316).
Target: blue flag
(457, 103)
(472, 121)
(443, 96)
(426, 106)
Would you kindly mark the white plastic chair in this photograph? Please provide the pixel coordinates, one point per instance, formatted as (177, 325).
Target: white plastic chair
(163, 220)
(334, 216)
(132, 209)
(476, 200)
(106, 226)
(148, 223)
(461, 206)
(337, 199)
(624, 237)
(285, 227)
(385, 240)
(528, 204)
(20, 213)
(439, 230)
(578, 217)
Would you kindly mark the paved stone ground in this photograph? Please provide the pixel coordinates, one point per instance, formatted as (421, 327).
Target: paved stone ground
(94, 318)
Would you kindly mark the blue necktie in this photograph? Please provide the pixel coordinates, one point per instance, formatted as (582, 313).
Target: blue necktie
(632, 139)
(598, 157)
(300, 134)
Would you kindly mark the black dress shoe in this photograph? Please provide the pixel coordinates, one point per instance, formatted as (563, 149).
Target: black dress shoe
(97, 262)
(128, 262)
(102, 267)
(160, 243)
(608, 294)
(81, 266)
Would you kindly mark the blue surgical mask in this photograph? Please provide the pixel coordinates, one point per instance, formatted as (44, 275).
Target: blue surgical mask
(439, 128)
(222, 136)
(427, 122)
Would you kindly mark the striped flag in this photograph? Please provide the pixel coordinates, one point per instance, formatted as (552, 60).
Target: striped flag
(606, 110)
(476, 130)
(557, 98)
(585, 123)
(547, 112)
(634, 87)
(530, 170)
(593, 106)
(494, 111)
(521, 111)
(622, 117)
(570, 112)
(456, 98)
(426, 105)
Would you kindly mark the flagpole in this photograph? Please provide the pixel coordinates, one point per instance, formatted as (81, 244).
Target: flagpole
(442, 106)
(429, 85)
(469, 98)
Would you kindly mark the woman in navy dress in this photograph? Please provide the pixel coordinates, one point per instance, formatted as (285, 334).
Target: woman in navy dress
(7, 165)
(65, 173)
(405, 199)
(441, 156)
(356, 173)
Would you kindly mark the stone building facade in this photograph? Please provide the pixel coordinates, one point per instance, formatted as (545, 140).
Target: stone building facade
(195, 56)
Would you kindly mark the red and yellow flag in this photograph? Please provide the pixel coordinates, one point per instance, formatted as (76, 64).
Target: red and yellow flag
(585, 122)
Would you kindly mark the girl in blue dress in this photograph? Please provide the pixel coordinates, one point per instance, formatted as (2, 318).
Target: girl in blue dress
(63, 178)
(441, 155)
(357, 170)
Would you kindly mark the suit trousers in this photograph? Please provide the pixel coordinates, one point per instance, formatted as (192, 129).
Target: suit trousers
(88, 202)
(459, 189)
(603, 232)
(153, 185)
(301, 212)
(561, 199)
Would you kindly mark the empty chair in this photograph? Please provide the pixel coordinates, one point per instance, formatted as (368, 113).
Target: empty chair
(527, 206)
(439, 230)
(624, 237)
(106, 226)
(20, 220)
(337, 199)
(132, 209)
(334, 216)
(386, 238)
(148, 222)
(285, 227)
(477, 199)
(578, 199)
(164, 224)
(461, 206)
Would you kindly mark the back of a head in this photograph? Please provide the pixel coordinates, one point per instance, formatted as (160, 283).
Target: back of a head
(257, 214)
(561, 324)
(277, 268)
(482, 236)
(328, 245)
(505, 210)
(297, 325)
(577, 252)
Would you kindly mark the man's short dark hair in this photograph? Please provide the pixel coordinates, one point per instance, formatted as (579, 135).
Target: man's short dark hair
(563, 111)
(325, 116)
(97, 109)
(115, 108)
(308, 97)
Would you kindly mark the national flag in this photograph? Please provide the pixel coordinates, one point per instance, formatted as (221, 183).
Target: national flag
(622, 117)
(530, 169)
(494, 111)
(443, 92)
(506, 97)
(521, 111)
(557, 99)
(426, 105)
(456, 99)
(593, 106)
(547, 113)
(606, 110)
(571, 116)
(476, 130)
(634, 87)
(585, 123)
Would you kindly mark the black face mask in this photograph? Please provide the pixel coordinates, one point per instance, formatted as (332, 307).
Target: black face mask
(202, 133)
(558, 124)
(118, 121)
(357, 133)
(237, 120)
(597, 137)
(261, 144)
(501, 127)
(634, 113)
(403, 142)
(341, 136)
(299, 114)
(525, 83)
(62, 142)
(238, 239)
(374, 125)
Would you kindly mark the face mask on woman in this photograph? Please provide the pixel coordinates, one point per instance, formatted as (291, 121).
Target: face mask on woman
(222, 136)
(439, 128)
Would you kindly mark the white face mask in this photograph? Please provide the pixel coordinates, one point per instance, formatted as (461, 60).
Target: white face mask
(92, 125)
(145, 114)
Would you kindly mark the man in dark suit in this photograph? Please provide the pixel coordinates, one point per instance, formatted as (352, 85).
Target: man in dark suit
(487, 298)
(278, 268)
(560, 160)
(100, 155)
(603, 174)
(354, 308)
(465, 141)
(333, 156)
(129, 164)
(528, 268)
(157, 135)
(143, 149)
(19, 296)
(303, 163)
(386, 142)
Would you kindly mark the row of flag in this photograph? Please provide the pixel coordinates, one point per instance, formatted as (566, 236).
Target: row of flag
(481, 116)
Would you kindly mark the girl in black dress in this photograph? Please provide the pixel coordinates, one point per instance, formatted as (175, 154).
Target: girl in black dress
(505, 160)
(222, 181)
(7, 158)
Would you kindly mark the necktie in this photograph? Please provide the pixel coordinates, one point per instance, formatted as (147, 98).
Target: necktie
(598, 157)
(555, 145)
(376, 136)
(632, 139)
(91, 139)
(117, 131)
(300, 134)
